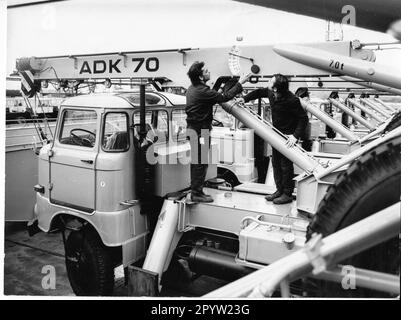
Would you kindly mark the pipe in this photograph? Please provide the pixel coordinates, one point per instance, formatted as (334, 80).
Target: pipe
(277, 140)
(339, 64)
(353, 114)
(338, 246)
(142, 115)
(364, 278)
(164, 236)
(375, 107)
(323, 116)
(365, 109)
(385, 104)
(378, 131)
(216, 263)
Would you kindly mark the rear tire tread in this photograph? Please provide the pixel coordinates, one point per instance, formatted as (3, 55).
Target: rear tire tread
(371, 183)
(359, 175)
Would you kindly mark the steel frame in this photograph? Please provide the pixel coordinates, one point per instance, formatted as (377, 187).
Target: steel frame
(363, 278)
(319, 253)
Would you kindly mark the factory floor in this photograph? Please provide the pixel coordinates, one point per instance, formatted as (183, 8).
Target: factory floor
(28, 261)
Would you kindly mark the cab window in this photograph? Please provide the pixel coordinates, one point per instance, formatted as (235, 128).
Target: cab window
(179, 124)
(115, 132)
(79, 128)
(156, 125)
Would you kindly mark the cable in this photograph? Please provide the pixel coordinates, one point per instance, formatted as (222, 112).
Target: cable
(54, 70)
(45, 117)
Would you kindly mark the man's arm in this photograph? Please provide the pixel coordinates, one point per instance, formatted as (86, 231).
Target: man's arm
(258, 93)
(212, 96)
(232, 92)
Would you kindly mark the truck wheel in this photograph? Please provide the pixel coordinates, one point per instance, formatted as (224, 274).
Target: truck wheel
(89, 264)
(370, 184)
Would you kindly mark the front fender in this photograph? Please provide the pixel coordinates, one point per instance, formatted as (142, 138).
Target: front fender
(114, 228)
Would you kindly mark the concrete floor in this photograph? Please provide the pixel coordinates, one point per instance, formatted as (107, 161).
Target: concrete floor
(25, 258)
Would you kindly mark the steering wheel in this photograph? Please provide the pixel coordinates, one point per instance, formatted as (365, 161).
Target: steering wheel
(85, 142)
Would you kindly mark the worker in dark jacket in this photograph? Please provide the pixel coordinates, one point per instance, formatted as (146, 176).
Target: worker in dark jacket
(199, 110)
(290, 118)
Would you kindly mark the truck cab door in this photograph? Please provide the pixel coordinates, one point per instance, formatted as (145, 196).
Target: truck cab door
(73, 159)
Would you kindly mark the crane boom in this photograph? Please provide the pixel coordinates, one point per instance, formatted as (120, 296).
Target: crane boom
(173, 64)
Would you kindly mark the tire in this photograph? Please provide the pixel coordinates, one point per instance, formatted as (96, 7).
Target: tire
(89, 264)
(394, 123)
(370, 184)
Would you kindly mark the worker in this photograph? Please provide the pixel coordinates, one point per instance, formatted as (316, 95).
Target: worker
(200, 99)
(290, 118)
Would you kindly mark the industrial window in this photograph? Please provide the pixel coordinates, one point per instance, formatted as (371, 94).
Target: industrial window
(79, 128)
(115, 132)
(179, 124)
(156, 125)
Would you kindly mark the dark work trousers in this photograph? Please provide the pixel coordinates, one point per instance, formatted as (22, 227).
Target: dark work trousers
(283, 170)
(199, 157)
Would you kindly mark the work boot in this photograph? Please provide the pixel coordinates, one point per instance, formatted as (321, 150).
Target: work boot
(283, 199)
(271, 197)
(206, 195)
(201, 198)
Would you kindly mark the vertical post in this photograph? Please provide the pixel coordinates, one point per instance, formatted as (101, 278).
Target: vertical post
(142, 112)
(144, 175)
(258, 149)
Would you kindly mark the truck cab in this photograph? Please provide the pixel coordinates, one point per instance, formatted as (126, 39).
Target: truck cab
(88, 174)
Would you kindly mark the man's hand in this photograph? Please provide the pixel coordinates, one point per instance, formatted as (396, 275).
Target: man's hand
(244, 78)
(291, 141)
